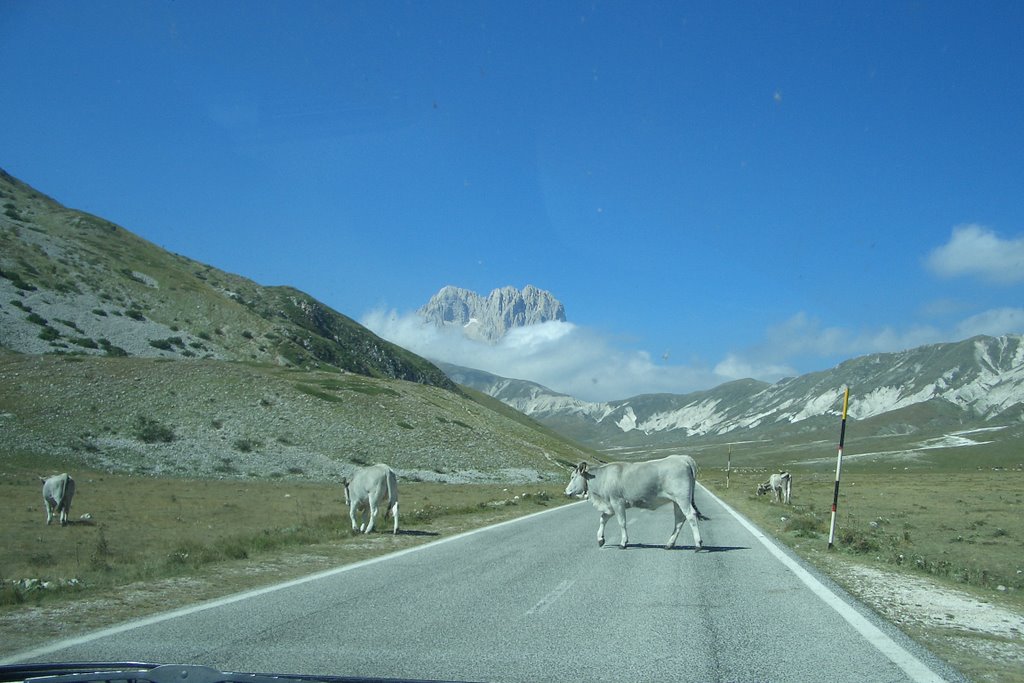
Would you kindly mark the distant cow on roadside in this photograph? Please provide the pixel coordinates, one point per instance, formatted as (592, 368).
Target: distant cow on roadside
(616, 486)
(366, 491)
(58, 491)
(781, 486)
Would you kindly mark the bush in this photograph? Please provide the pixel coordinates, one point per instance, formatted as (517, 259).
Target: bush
(149, 430)
(49, 334)
(247, 445)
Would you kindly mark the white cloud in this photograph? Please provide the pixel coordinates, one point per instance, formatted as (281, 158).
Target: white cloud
(559, 355)
(994, 322)
(975, 250)
(577, 361)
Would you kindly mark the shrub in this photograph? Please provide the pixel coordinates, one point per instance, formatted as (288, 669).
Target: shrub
(149, 430)
(84, 342)
(49, 334)
(247, 445)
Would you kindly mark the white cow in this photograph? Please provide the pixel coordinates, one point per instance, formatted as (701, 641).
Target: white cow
(58, 491)
(365, 493)
(781, 486)
(619, 485)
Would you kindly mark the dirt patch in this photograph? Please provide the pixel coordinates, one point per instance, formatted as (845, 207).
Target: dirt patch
(963, 628)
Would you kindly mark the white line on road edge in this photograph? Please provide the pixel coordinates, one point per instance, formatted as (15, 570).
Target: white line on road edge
(911, 665)
(219, 602)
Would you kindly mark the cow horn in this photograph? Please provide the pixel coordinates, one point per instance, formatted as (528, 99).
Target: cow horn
(582, 467)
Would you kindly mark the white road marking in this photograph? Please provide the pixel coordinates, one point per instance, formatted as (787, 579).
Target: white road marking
(550, 598)
(898, 655)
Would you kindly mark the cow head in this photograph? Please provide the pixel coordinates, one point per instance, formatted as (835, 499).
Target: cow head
(578, 485)
(763, 488)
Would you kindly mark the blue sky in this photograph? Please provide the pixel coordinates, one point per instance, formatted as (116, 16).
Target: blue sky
(713, 190)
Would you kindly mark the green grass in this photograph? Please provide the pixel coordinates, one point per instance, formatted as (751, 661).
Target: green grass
(965, 529)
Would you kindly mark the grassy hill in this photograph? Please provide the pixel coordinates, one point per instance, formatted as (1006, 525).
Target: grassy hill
(121, 356)
(72, 282)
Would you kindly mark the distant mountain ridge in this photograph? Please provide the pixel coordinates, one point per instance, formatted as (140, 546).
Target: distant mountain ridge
(973, 381)
(490, 318)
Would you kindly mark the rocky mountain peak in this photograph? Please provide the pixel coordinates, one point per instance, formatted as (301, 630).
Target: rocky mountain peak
(490, 318)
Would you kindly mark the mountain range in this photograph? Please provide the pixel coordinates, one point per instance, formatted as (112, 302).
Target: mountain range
(78, 287)
(973, 382)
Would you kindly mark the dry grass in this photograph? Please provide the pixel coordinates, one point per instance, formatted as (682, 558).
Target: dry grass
(961, 531)
(154, 544)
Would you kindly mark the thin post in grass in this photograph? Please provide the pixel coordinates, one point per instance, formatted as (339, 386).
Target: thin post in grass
(839, 467)
(728, 466)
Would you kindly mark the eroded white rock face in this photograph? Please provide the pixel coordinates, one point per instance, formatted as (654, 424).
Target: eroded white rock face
(489, 318)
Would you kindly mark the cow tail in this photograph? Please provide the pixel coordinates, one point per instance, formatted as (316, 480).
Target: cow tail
(693, 501)
(392, 483)
(700, 515)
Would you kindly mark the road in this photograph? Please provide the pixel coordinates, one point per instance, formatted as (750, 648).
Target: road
(537, 600)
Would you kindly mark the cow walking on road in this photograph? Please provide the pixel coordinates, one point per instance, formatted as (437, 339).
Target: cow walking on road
(58, 491)
(616, 486)
(367, 491)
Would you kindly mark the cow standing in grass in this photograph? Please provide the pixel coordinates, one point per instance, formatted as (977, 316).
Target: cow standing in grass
(366, 491)
(58, 491)
(619, 485)
(781, 486)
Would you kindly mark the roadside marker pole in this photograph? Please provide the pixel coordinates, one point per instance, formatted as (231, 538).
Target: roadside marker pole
(728, 466)
(839, 466)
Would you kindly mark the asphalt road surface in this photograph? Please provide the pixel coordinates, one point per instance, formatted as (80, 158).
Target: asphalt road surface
(537, 600)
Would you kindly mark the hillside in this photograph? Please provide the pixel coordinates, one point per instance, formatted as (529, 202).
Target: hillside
(72, 282)
(117, 354)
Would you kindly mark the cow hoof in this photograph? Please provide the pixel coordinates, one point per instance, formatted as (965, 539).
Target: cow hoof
(622, 547)
(600, 543)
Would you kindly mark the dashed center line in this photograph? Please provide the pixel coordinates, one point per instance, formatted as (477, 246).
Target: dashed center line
(550, 598)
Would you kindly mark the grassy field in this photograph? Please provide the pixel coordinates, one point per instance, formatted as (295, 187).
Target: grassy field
(154, 544)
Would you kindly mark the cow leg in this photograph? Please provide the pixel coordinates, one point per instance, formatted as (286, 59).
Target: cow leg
(373, 516)
(692, 518)
(680, 518)
(352, 516)
(620, 517)
(394, 513)
(600, 528)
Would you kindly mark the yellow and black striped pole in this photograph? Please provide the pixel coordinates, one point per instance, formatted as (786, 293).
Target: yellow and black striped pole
(839, 467)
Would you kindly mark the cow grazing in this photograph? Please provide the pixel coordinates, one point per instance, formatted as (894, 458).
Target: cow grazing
(781, 486)
(616, 486)
(58, 491)
(366, 491)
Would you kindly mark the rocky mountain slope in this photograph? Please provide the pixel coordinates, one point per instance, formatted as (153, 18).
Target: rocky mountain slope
(117, 354)
(976, 382)
(489, 318)
(72, 282)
